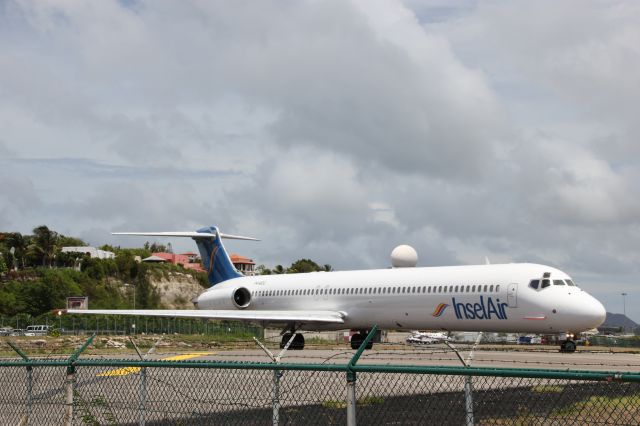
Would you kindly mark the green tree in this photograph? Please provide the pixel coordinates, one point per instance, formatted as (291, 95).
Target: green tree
(64, 241)
(127, 265)
(8, 303)
(44, 244)
(303, 266)
(158, 248)
(263, 270)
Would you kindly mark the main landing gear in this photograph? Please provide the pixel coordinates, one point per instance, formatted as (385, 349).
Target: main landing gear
(358, 338)
(568, 346)
(297, 344)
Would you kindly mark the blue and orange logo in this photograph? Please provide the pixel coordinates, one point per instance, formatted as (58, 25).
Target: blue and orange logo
(439, 310)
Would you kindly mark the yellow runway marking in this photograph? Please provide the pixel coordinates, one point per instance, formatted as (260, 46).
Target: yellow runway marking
(134, 370)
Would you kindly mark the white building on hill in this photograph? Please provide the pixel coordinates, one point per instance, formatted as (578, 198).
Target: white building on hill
(93, 252)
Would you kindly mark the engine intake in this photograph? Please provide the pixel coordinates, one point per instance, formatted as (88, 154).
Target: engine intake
(241, 297)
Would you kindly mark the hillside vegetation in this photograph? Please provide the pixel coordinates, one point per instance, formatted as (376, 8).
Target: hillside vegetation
(36, 277)
(42, 277)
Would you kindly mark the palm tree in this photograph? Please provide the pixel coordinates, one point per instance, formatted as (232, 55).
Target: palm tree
(279, 270)
(20, 245)
(45, 244)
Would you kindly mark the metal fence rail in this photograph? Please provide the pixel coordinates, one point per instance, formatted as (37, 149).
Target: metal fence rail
(82, 391)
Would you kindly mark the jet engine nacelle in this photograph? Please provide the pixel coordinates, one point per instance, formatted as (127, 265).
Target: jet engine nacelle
(241, 297)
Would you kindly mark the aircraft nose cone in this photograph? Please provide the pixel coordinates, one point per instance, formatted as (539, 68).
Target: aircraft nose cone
(600, 313)
(595, 313)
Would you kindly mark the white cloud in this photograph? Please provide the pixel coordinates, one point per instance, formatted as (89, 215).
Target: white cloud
(332, 130)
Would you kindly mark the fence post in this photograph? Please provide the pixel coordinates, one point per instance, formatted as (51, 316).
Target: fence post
(275, 415)
(351, 399)
(68, 395)
(70, 381)
(468, 400)
(25, 421)
(277, 374)
(351, 378)
(468, 381)
(142, 392)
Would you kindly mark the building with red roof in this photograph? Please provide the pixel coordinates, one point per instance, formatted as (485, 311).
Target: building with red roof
(185, 260)
(243, 264)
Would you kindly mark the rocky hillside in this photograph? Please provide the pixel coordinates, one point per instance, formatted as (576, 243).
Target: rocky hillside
(176, 289)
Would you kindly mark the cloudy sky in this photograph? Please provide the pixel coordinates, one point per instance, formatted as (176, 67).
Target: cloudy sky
(333, 130)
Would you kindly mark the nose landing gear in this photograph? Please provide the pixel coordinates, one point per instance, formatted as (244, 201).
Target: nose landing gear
(568, 346)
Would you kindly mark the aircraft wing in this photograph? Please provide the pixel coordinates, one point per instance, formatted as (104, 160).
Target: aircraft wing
(318, 317)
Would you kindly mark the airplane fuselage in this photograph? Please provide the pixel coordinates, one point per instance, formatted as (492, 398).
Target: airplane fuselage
(498, 298)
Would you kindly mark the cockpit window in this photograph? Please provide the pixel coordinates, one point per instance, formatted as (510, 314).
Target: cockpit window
(569, 282)
(558, 282)
(534, 284)
(545, 283)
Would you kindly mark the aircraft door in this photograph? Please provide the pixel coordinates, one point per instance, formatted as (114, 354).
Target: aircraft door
(512, 293)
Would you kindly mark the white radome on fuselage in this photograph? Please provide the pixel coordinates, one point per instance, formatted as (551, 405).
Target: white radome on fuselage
(453, 298)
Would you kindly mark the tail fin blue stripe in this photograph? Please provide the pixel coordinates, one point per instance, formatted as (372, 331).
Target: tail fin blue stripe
(215, 259)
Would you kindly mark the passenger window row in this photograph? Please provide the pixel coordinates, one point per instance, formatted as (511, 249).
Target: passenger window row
(486, 288)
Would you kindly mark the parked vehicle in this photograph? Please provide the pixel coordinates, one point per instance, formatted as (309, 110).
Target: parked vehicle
(6, 331)
(37, 330)
(529, 340)
(421, 340)
(427, 338)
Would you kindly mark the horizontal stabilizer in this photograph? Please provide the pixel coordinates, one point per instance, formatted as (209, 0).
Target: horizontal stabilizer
(326, 317)
(189, 234)
(215, 259)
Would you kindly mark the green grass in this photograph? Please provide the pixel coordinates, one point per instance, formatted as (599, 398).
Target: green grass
(340, 404)
(600, 404)
(547, 389)
(594, 410)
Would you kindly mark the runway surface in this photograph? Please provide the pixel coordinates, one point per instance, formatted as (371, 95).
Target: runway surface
(440, 355)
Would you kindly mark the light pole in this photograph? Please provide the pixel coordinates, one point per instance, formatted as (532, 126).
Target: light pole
(133, 326)
(134, 293)
(624, 311)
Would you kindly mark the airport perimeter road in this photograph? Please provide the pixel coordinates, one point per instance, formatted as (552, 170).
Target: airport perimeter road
(442, 355)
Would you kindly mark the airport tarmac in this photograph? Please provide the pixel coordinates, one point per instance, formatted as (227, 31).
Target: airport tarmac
(600, 361)
(435, 355)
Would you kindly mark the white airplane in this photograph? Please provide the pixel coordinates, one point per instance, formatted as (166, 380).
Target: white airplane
(525, 298)
(437, 336)
(427, 337)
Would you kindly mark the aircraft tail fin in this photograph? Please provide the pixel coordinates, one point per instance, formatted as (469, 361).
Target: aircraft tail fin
(215, 259)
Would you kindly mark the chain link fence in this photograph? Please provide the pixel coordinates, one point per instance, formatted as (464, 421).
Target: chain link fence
(125, 325)
(86, 391)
